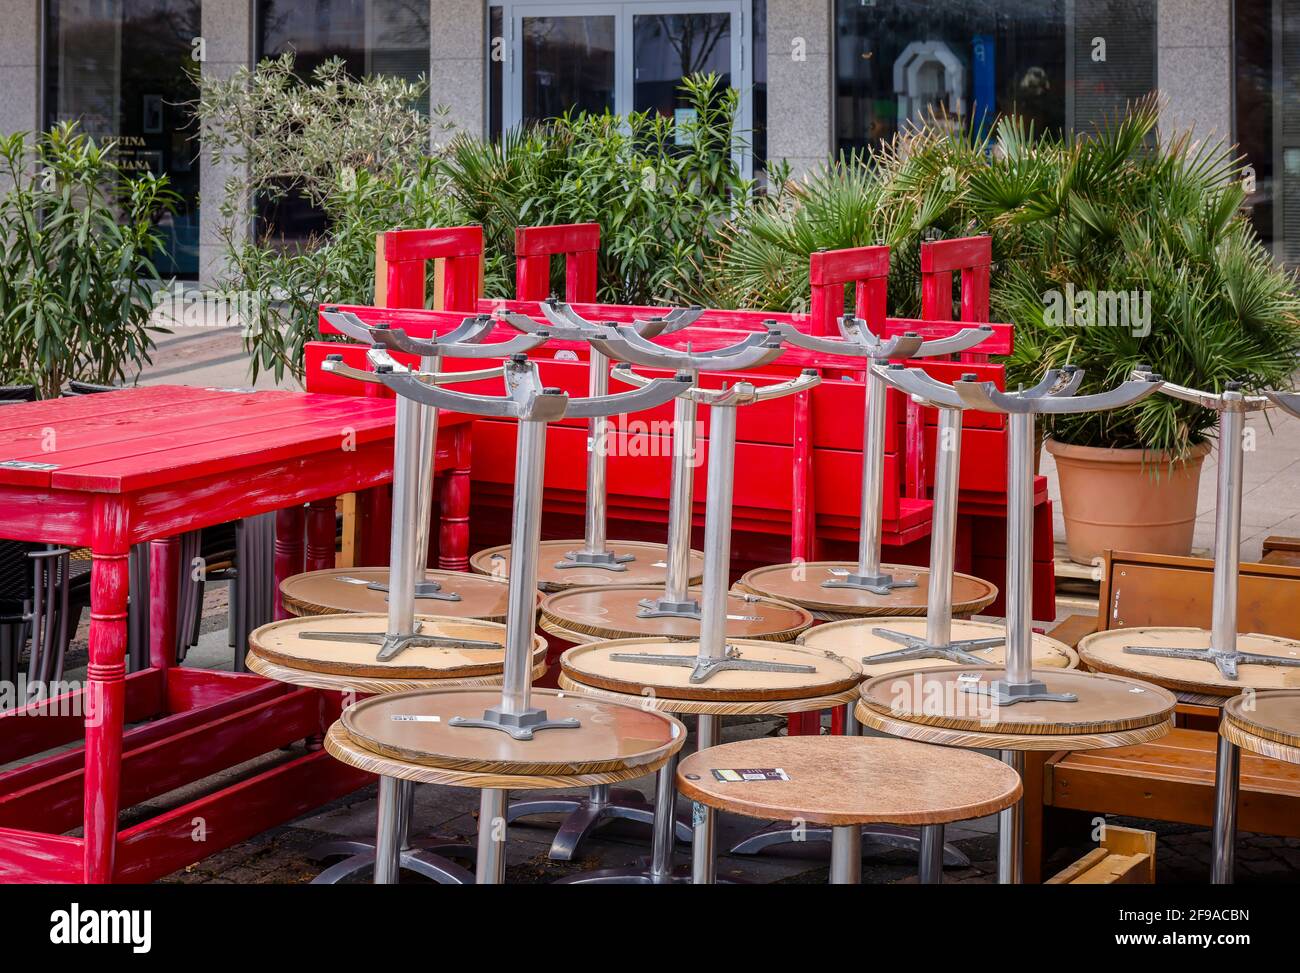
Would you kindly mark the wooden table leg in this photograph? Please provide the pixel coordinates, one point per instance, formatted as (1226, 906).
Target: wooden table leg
(290, 555)
(1034, 778)
(164, 586)
(105, 693)
(320, 534)
(454, 496)
(373, 524)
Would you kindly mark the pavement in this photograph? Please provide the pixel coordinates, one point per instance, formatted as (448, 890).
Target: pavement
(214, 356)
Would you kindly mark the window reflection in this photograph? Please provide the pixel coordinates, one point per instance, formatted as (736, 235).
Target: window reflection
(1060, 65)
(568, 65)
(119, 67)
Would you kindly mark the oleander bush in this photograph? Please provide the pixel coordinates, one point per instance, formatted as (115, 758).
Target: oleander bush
(78, 239)
(358, 149)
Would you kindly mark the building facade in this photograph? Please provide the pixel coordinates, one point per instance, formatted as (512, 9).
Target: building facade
(817, 77)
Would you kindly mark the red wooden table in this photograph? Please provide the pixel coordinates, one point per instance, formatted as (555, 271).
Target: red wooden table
(112, 470)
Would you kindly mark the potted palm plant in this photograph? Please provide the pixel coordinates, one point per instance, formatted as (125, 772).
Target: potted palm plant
(1111, 250)
(1134, 250)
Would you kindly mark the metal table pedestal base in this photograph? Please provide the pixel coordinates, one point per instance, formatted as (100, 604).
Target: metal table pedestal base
(426, 856)
(430, 857)
(585, 814)
(872, 836)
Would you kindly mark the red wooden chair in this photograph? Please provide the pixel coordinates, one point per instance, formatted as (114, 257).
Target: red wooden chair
(971, 259)
(579, 243)
(401, 270)
(401, 258)
(866, 268)
(829, 272)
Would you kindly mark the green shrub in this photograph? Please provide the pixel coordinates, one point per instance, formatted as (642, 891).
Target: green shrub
(356, 148)
(659, 191)
(339, 267)
(77, 273)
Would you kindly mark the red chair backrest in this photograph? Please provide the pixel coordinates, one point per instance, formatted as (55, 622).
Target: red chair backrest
(534, 247)
(400, 266)
(969, 257)
(866, 268)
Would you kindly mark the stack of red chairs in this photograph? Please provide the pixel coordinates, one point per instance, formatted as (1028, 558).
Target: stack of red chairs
(811, 512)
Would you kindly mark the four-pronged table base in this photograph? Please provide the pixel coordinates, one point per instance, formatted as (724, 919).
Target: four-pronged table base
(1181, 659)
(873, 836)
(874, 642)
(586, 814)
(805, 584)
(633, 562)
(428, 857)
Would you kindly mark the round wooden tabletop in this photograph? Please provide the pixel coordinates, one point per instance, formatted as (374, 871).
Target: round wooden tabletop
(801, 584)
(855, 638)
(1008, 741)
(416, 728)
(282, 643)
(341, 747)
(843, 780)
(344, 590)
(1104, 651)
(649, 565)
(368, 685)
(943, 698)
(1267, 723)
(607, 612)
(594, 665)
(704, 707)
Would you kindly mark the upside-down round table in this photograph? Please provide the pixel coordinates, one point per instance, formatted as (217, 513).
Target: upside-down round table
(596, 670)
(846, 782)
(335, 591)
(414, 737)
(279, 651)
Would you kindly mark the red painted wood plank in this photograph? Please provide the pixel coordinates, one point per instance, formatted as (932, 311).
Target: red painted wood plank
(28, 858)
(189, 689)
(35, 773)
(532, 241)
(88, 441)
(73, 408)
(44, 726)
(943, 256)
(433, 244)
(162, 764)
(163, 844)
(51, 517)
(219, 497)
(846, 266)
(329, 426)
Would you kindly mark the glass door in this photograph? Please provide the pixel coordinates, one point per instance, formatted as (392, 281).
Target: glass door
(565, 58)
(668, 46)
(671, 41)
(620, 57)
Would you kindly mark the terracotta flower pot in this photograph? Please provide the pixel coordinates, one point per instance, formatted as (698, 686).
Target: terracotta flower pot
(1112, 501)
